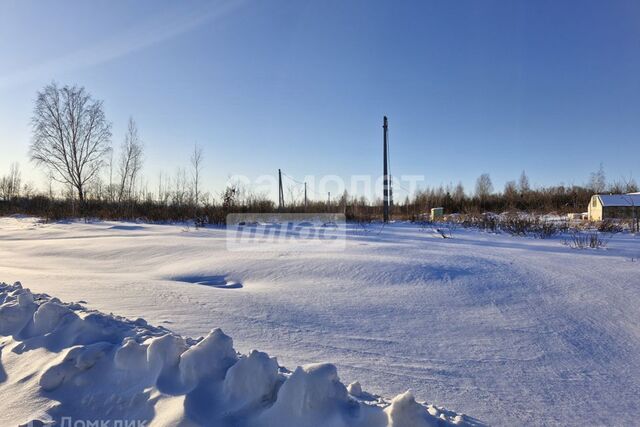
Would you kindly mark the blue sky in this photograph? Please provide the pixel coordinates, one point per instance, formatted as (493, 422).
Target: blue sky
(551, 87)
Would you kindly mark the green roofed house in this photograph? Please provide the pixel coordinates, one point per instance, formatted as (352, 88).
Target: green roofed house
(614, 206)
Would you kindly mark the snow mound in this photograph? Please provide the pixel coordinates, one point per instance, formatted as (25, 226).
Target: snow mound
(60, 361)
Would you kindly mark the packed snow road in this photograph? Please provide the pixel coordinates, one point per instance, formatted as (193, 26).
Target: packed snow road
(510, 330)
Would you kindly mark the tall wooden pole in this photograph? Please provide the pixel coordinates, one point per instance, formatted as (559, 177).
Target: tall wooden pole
(385, 172)
(280, 192)
(305, 196)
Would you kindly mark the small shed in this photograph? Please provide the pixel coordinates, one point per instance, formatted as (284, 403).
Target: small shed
(436, 213)
(614, 206)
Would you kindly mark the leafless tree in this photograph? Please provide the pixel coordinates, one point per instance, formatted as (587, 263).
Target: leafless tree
(180, 191)
(164, 182)
(343, 201)
(28, 190)
(50, 181)
(458, 193)
(111, 191)
(196, 164)
(10, 184)
(628, 185)
(130, 161)
(484, 187)
(71, 135)
(523, 183)
(510, 193)
(598, 182)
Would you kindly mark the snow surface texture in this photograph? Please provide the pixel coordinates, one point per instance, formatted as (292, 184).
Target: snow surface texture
(512, 330)
(63, 361)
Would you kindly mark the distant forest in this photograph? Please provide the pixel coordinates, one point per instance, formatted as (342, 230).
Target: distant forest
(72, 145)
(177, 201)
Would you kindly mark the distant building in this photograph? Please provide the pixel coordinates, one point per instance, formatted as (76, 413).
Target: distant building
(614, 206)
(436, 213)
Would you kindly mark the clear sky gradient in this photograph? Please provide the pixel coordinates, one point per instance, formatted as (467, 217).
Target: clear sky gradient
(551, 87)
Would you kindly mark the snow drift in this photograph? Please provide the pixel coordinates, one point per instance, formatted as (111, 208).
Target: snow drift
(61, 362)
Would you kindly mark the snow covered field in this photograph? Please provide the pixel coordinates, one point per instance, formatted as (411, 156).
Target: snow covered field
(72, 367)
(510, 330)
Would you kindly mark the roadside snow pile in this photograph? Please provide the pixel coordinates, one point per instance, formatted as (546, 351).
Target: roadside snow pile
(60, 362)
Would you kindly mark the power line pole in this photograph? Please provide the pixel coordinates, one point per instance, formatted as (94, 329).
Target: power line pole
(305, 196)
(385, 172)
(280, 192)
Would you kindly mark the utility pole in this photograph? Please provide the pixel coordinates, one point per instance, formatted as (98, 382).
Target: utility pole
(280, 192)
(305, 196)
(385, 172)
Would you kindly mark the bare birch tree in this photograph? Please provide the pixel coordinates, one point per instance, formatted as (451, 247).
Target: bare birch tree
(111, 191)
(598, 181)
(458, 193)
(196, 164)
(10, 184)
(130, 161)
(523, 183)
(180, 192)
(484, 187)
(71, 135)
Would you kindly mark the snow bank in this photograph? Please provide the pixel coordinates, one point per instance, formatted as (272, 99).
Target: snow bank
(61, 361)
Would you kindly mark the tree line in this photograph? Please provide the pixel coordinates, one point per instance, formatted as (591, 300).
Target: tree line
(72, 144)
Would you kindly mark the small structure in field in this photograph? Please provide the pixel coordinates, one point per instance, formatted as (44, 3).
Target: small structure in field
(614, 206)
(436, 213)
(575, 216)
